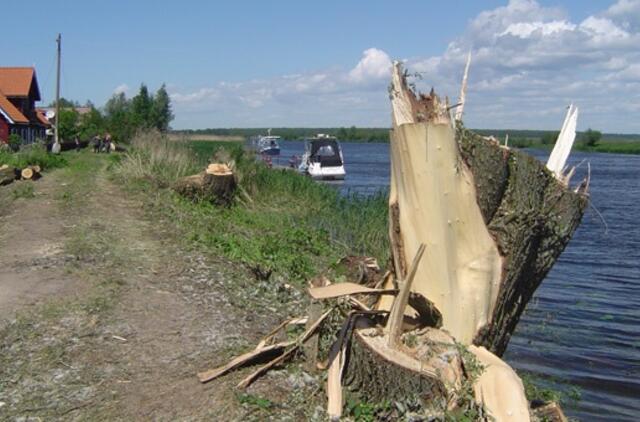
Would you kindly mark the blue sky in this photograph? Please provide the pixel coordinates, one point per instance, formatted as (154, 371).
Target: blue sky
(295, 63)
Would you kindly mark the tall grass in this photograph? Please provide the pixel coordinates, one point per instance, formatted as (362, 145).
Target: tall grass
(153, 157)
(281, 223)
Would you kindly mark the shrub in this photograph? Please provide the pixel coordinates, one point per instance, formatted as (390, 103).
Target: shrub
(15, 141)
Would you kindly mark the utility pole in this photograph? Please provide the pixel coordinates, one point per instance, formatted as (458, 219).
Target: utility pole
(56, 143)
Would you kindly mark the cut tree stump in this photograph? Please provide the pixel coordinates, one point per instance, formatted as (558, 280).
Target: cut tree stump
(30, 173)
(216, 184)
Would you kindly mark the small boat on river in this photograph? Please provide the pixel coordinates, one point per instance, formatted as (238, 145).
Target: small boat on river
(322, 158)
(267, 144)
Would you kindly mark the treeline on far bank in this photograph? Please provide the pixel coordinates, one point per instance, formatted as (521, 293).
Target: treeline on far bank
(517, 138)
(121, 117)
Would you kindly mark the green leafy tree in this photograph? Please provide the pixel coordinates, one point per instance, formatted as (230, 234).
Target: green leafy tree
(64, 103)
(118, 118)
(591, 137)
(68, 129)
(141, 106)
(91, 124)
(161, 113)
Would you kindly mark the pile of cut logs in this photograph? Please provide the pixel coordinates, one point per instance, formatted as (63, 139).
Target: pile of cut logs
(8, 174)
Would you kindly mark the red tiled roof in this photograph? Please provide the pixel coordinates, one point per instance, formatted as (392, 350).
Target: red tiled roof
(10, 110)
(16, 81)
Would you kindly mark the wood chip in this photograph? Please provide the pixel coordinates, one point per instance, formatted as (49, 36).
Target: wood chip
(345, 289)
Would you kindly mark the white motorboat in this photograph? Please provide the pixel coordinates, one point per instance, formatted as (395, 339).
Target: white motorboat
(322, 159)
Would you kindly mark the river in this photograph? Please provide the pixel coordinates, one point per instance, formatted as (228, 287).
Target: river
(581, 331)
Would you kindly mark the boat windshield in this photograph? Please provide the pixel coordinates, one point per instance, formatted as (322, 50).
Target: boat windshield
(326, 152)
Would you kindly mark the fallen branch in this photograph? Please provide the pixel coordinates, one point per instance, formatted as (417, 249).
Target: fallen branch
(242, 360)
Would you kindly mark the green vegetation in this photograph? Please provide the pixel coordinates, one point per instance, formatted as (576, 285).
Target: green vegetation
(23, 191)
(33, 154)
(590, 138)
(281, 224)
(122, 117)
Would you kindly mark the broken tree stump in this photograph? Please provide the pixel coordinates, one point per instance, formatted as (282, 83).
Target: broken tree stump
(494, 220)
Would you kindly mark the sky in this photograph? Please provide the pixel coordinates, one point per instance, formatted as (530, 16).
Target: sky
(317, 64)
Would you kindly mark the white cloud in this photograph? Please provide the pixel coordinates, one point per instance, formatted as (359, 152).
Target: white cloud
(529, 62)
(121, 89)
(375, 64)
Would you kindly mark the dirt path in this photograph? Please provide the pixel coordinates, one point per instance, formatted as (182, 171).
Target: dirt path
(32, 250)
(105, 315)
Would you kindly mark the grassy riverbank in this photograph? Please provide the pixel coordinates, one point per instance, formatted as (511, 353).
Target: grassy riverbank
(284, 228)
(280, 224)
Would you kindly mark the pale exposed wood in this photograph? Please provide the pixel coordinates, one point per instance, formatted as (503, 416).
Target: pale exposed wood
(269, 337)
(334, 386)
(218, 169)
(551, 412)
(248, 380)
(394, 323)
(562, 148)
(241, 360)
(400, 101)
(26, 173)
(499, 388)
(463, 90)
(345, 289)
(337, 360)
(434, 194)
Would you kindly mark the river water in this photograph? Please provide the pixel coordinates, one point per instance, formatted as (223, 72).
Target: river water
(581, 331)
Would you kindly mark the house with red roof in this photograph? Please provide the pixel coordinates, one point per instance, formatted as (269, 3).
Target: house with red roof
(19, 93)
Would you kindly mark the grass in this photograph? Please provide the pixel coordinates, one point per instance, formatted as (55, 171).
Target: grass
(23, 190)
(282, 224)
(34, 154)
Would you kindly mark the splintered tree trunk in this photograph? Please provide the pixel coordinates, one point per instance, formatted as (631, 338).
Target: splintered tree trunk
(493, 220)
